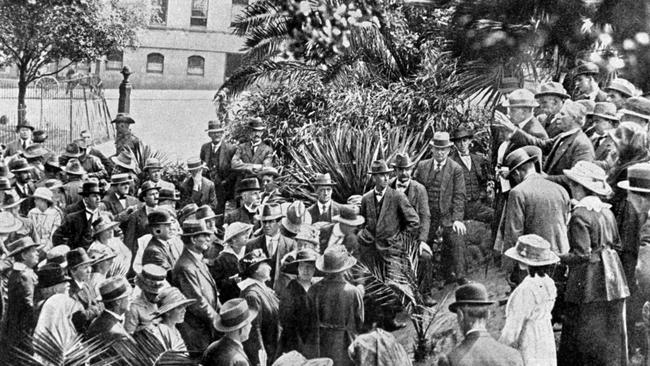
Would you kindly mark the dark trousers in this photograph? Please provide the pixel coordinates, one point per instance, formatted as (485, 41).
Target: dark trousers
(479, 210)
(452, 253)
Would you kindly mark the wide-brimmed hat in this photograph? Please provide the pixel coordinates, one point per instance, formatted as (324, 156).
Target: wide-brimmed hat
(78, 257)
(123, 118)
(309, 234)
(402, 161)
(252, 260)
(39, 136)
(9, 223)
(379, 167)
(462, 132)
(521, 98)
(637, 106)
(169, 299)
(90, 187)
(21, 245)
(295, 358)
(101, 253)
(72, 150)
(590, 176)
(293, 258)
(152, 163)
(235, 229)
(604, 110)
(117, 179)
(335, 259)
(53, 161)
(102, 224)
(205, 213)
(11, 200)
(4, 170)
(5, 184)
(53, 184)
(533, 250)
(195, 164)
(234, 314)
(168, 194)
(441, 140)
(294, 217)
(586, 68)
(215, 126)
(25, 124)
(517, 158)
(322, 180)
(51, 274)
(348, 215)
(622, 86)
(114, 288)
(270, 211)
(256, 124)
(638, 178)
(146, 187)
(552, 88)
(125, 159)
(195, 227)
(34, 151)
(355, 200)
(152, 279)
(19, 165)
(44, 194)
(268, 170)
(588, 104)
(472, 294)
(73, 166)
(57, 256)
(187, 210)
(248, 184)
(159, 217)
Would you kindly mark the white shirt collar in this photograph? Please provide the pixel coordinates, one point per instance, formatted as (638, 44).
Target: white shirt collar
(476, 329)
(324, 207)
(439, 165)
(250, 209)
(120, 318)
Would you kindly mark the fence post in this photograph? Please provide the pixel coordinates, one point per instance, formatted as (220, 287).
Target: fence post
(124, 103)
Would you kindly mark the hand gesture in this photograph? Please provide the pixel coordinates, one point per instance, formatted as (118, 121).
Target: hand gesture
(459, 228)
(504, 121)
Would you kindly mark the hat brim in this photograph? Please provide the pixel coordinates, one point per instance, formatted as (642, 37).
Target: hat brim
(203, 232)
(10, 229)
(232, 235)
(129, 181)
(356, 222)
(252, 314)
(455, 138)
(48, 199)
(625, 184)
(202, 166)
(291, 227)
(126, 293)
(601, 191)
(20, 250)
(215, 130)
(104, 258)
(110, 226)
(78, 172)
(32, 156)
(25, 169)
(349, 263)
(292, 268)
(11, 205)
(167, 308)
(633, 113)
(89, 262)
(144, 286)
(18, 127)
(454, 305)
(611, 118)
(528, 160)
(555, 94)
(403, 166)
(268, 218)
(623, 92)
(450, 144)
(122, 164)
(256, 128)
(513, 254)
(70, 155)
(532, 104)
(381, 171)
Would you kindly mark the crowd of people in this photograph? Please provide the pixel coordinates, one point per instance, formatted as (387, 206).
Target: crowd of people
(244, 274)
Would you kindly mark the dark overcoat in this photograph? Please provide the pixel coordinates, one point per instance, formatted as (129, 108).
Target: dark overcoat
(279, 280)
(225, 352)
(394, 216)
(157, 252)
(219, 169)
(75, 231)
(265, 330)
(206, 196)
(20, 316)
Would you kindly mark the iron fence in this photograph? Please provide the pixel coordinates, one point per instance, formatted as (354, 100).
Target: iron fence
(62, 108)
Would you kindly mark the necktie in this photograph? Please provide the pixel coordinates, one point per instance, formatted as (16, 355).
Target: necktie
(24, 144)
(437, 168)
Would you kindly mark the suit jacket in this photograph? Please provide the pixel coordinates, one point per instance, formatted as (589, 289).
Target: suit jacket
(605, 149)
(20, 316)
(314, 212)
(244, 158)
(93, 166)
(86, 297)
(480, 166)
(136, 226)
(219, 162)
(451, 204)
(417, 196)
(562, 152)
(194, 280)
(206, 196)
(26, 193)
(225, 352)
(279, 280)
(107, 328)
(112, 204)
(394, 216)
(75, 231)
(479, 348)
(241, 214)
(14, 147)
(157, 252)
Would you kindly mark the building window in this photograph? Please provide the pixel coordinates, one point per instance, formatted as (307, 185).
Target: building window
(195, 65)
(199, 13)
(159, 12)
(233, 61)
(114, 60)
(155, 63)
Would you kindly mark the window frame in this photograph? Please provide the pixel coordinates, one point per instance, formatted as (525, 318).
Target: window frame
(109, 66)
(162, 64)
(196, 57)
(203, 21)
(162, 9)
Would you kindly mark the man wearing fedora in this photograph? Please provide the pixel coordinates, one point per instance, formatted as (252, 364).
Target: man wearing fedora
(584, 79)
(637, 110)
(75, 174)
(92, 164)
(23, 185)
(472, 308)
(605, 120)
(138, 223)
(274, 245)
(479, 184)
(153, 170)
(91, 150)
(143, 307)
(35, 156)
(75, 230)
(445, 184)
(118, 201)
(124, 138)
(252, 155)
(79, 268)
(198, 188)
(192, 276)
(217, 156)
(115, 294)
(270, 190)
(24, 132)
(158, 250)
(235, 318)
(324, 208)
(619, 90)
(249, 189)
(551, 97)
(342, 231)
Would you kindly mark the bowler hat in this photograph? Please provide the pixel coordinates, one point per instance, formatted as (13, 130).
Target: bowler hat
(123, 118)
(205, 213)
(20, 245)
(19, 165)
(462, 132)
(34, 151)
(114, 288)
(638, 178)
(270, 211)
(402, 161)
(167, 194)
(335, 259)
(187, 210)
(440, 140)
(117, 179)
(533, 250)
(586, 68)
(25, 124)
(51, 274)
(152, 278)
(169, 299)
(77, 257)
(552, 88)
(9, 223)
(152, 163)
(194, 164)
(102, 224)
(72, 150)
(471, 294)
(248, 184)
(521, 98)
(604, 110)
(322, 180)
(39, 136)
(517, 158)
(195, 227)
(348, 216)
(146, 187)
(256, 124)
(125, 159)
(56, 255)
(379, 167)
(159, 217)
(235, 229)
(622, 86)
(252, 260)
(43, 193)
(637, 106)
(292, 259)
(215, 126)
(90, 187)
(294, 217)
(73, 167)
(234, 314)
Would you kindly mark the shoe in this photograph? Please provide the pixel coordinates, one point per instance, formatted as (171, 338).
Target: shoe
(429, 301)
(393, 325)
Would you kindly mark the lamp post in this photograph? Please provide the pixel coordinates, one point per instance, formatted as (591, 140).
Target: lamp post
(124, 102)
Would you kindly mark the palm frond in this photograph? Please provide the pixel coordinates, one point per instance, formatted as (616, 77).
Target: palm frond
(270, 71)
(52, 348)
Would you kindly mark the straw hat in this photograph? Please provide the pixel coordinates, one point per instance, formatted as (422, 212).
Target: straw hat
(471, 294)
(234, 314)
(379, 167)
(552, 88)
(152, 279)
(114, 288)
(533, 250)
(169, 299)
(43, 193)
(21, 245)
(521, 98)
(195, 164)
(441, 140)
(590, 176)
(638, 178)
(152, 163)
(237, 228)
(117, 179)
(294, 217)
(348, 216)
(335, 259)
(9, 223)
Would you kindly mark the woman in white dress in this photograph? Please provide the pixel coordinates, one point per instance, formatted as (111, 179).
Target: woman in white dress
(171, 312)
(45, 217)
(528, 325)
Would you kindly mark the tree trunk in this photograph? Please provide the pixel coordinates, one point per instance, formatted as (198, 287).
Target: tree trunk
(22, 90)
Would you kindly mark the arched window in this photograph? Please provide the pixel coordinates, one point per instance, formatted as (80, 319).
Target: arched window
(114, 60)
(155, 63)
(195, 65)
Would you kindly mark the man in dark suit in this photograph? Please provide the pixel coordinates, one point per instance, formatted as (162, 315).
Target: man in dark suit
(138, 224)
(158, 251)
(325, 208)
(445, 184)
(196, 187)
(75, 230)
(109, 325)
(79, 268)
(192, 276)
(472, 308)
(217, 155)
(118, 201)
(249, 189)
(585, 75)
(551, 97)
(23, 185)
(24, 139)
(235, 319)
(251, 156)
(604, 119)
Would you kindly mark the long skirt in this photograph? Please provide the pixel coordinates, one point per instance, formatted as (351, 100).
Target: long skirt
(594, 334)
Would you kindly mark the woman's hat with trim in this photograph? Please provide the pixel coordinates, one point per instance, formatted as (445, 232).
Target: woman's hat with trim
(590, 176)
(11, 200)
(252, 260)
(292, 259)
(102, 224)
(237, 228)
(533, 250)
(234, 314)
(44, 194)
(101, 253)
(169, 299)
(335, 259)
(348, 216)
